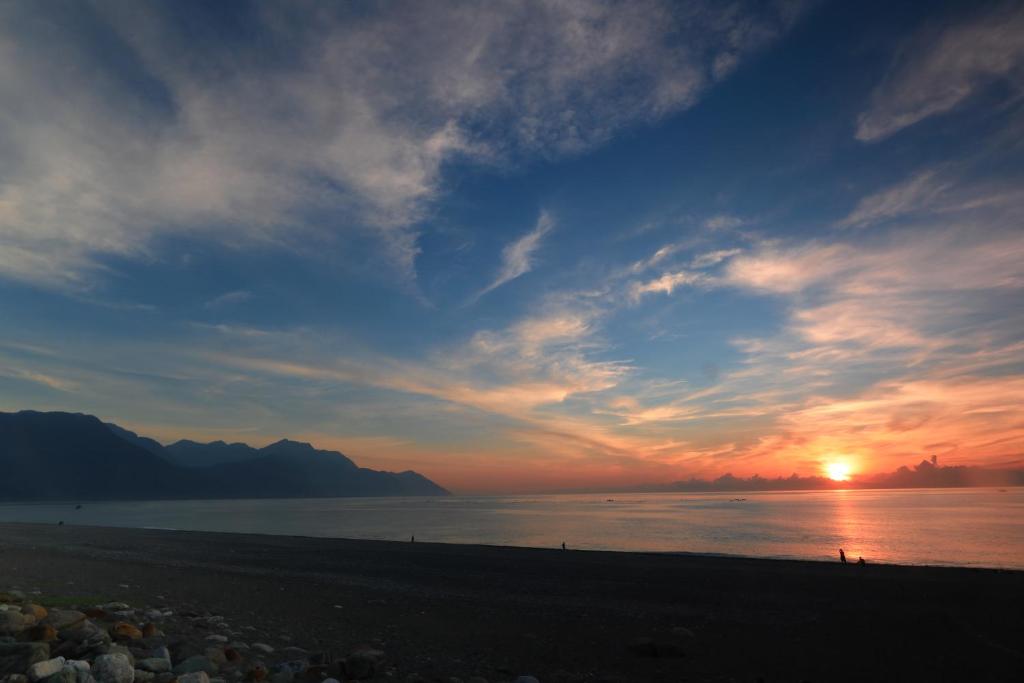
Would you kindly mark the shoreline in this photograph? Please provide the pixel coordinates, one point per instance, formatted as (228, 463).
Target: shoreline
(442, 610)
(711, 556)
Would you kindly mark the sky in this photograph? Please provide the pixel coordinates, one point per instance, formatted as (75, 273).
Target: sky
(522, 246)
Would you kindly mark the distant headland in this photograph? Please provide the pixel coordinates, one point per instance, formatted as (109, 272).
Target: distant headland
(72, 456)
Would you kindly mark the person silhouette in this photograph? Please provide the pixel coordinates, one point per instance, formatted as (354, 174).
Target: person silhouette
(563, 545)
(412, 539)
(861, 562)
(842, 556)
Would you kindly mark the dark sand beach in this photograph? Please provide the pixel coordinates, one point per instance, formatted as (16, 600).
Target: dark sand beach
(451, 610)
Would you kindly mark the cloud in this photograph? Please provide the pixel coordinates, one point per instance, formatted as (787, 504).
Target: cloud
(940, 68)
(921, 192)
(228, 298)
(316, 119)
(517, 257)
(666, 284)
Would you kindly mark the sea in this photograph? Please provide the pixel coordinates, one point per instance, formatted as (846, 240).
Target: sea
(979, 527)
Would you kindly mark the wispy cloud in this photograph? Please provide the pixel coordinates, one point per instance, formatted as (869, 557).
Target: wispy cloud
(353, 121)
(228, 298)
(941, 67)
(517, 257)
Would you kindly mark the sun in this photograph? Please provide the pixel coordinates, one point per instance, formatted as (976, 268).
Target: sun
(837, 471)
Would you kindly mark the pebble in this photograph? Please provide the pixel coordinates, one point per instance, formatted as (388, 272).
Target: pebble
(262, 647)
(195, 664)
(114, 668)
(216, 638)
(44, 669)
(195, 677)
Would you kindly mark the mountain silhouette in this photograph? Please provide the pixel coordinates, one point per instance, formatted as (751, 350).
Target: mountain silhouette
(71, 456)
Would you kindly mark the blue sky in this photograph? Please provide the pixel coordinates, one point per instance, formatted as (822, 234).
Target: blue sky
(522, 246)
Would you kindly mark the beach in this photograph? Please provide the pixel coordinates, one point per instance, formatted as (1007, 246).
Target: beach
(443, 610)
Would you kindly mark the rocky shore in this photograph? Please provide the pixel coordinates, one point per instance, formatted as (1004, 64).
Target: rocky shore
(116, 642)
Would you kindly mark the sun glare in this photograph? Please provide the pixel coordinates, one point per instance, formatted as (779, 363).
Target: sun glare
(837, 471)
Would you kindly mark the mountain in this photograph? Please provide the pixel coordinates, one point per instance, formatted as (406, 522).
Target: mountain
(192, 454)
(70, 456)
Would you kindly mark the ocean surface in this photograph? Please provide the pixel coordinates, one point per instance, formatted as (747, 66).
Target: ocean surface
(963, 527)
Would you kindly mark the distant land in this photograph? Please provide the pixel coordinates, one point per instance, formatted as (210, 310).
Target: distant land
(72, 456)
(926, 474)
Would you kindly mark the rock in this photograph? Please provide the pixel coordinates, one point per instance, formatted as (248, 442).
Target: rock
(16, 678)
(64, 619)
(262, 647)
(82, 631)
(194, 677)
(16, 658)
(154, 665)
(165, 678)
(113, 668)
(144, 676)
(115, 606)
(256, 674)
(13, 623)
(216, 655)
(121, 650)
(77, 665)
(122, 630)
(363, 663)
(65, 675)
(195, 664)
(45, 669)
(62, 676)
(216, 638)
(232, 655)
(42, 633)
(37, 611)
(282, 677)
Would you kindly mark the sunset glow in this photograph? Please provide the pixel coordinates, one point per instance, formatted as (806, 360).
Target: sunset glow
(595, 246)
(837, 471)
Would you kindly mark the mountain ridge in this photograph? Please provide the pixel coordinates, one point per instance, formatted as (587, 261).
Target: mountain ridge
(61, 455)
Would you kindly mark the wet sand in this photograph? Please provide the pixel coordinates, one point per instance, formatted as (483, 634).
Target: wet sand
(459, 610)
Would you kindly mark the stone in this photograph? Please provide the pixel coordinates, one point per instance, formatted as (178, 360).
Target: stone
(16, 678)
(155, 665)
(217, 638)
(37, 611)
(216, 655)
(194, 677)
(122, 630)
(42, 633)
(12, 623)
(232, 655)
(62, 676)
(262, 647)
(113, 668)
(282, 677)
(144, 676)
(363, 663)
(161, 652)
(16, 658)
(45, 669)
(82, 631)
(121, 650)
(194, 664)
(77, 665)
(63, 619)
(115, 606)
(256, 674)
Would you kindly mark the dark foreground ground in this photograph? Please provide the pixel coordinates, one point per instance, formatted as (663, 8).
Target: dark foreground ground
(450, 610)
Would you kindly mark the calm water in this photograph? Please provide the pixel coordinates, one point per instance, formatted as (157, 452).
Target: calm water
(977, 527)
